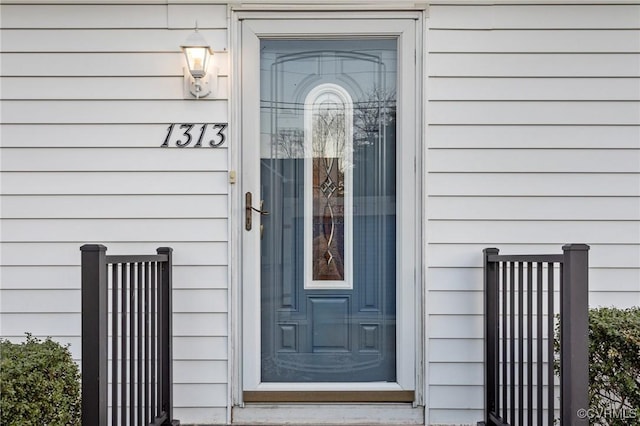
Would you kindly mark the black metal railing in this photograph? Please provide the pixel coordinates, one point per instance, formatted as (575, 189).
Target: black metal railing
(520, 315)
(135, 292)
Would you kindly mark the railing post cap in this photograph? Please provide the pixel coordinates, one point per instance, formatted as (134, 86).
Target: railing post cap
(491, 250)
(163, 250)
(575, 247)
(93, 247)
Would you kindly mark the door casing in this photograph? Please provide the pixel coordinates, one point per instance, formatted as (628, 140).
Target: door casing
(245, 297)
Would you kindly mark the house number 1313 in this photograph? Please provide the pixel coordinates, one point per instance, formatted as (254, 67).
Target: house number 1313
(182, 135)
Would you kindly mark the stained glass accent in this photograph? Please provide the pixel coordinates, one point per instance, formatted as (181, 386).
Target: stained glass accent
(329, 144)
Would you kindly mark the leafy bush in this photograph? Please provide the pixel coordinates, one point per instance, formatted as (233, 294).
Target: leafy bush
(614, 366)
(39, 384)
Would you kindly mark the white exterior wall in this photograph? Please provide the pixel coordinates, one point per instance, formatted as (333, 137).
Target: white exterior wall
(533, 141)
(88, 92)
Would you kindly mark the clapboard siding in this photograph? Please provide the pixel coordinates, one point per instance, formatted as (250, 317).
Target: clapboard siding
(533, 141)
(512, 65)
(134, 230)
(104, 40)
(105, 88)
(537, 113)
(535, 41)
(538, 184)
(111, 111)
(583, 137)
(534, 89)
(113, 183)
(523, 208)
(133, 16)
(535, 17)
(534, 160)
(89, 64)
(115, 207)
(108, 160)
(548, 232)
(88, 94)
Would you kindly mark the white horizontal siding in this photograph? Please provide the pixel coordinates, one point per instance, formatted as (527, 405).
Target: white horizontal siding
(534, 184)
(533, 141)
(132, 16)
(88, 94)
(119, 230)
(534, 89)
(537, 113)
(535, 41)
(115, 206)
(113, 183)
(112, 111)
(524, 208)
(105, 88)
(535, 17)
(541, 65)
(528, 136)
(104, 40)
(108, 160)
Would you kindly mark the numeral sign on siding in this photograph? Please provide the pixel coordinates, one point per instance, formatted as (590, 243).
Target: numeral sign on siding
(195, 135)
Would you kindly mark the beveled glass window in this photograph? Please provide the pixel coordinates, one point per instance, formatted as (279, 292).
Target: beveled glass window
(328, 185)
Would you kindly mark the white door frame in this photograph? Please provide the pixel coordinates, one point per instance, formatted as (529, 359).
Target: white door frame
(244, 320)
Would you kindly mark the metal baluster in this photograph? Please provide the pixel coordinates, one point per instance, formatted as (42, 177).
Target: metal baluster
(530, 343)
(146, 343)
(520, 343)
(512, 342)
(123, 344)
(140, 344)
(539, 363)
(132, 344)
(504, 339)
(154, 364)
(114, 344)
(550, 332)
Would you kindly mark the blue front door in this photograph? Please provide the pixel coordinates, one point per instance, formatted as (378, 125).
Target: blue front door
(328, 180)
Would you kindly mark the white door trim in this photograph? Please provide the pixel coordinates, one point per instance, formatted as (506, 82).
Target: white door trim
(245, 32)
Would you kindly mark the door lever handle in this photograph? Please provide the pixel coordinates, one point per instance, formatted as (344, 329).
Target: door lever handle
(249, 209)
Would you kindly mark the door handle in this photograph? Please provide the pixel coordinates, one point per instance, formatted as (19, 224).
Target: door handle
(249, 209)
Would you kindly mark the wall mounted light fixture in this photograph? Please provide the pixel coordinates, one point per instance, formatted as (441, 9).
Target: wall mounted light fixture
(198, 54)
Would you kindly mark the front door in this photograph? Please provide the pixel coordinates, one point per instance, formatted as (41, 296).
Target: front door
(328, 210)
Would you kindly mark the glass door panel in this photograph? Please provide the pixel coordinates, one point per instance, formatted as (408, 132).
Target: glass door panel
(328, 179)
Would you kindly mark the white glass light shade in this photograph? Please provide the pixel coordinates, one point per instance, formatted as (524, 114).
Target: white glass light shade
(197, 52)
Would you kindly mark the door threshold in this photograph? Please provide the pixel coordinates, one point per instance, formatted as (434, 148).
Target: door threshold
(329, 396)
(326, 414)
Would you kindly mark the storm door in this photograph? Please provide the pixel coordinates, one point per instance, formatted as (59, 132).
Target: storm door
(324, 212)
(327, 172)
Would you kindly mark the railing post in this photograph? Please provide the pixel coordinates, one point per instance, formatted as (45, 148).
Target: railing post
(574, 335)
(94, 335)
(165, 334)
(490, 331)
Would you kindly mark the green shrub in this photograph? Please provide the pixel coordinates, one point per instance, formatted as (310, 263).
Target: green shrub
(39, 384)
(614, 366)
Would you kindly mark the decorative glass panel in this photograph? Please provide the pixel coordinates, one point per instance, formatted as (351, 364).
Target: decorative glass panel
(328, 195)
